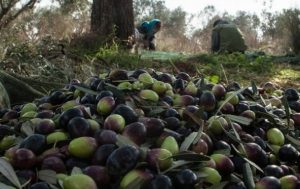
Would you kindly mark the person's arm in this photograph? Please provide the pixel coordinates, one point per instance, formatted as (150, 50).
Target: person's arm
(215, 41)
(142, 29)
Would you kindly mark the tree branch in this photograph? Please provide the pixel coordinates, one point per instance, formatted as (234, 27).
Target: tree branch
(6, 9)
(5, 22)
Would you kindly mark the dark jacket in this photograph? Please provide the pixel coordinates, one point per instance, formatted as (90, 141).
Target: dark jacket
(226, 37)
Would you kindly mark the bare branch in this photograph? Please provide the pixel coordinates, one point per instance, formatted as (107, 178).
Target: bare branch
(6, 9)
(5, 22)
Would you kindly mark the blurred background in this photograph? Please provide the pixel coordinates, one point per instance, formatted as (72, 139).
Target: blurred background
(271, 26)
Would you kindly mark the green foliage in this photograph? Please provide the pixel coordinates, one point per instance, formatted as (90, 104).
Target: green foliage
(262, 64)
(10, 10)
(73, 6)
(213, 66)
(115, 56)
(176, 22)
(213, 79)
(148, 9)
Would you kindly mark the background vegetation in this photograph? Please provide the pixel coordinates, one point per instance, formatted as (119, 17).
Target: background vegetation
(54, 42)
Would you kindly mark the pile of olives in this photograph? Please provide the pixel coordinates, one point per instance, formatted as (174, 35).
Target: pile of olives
(152, 130)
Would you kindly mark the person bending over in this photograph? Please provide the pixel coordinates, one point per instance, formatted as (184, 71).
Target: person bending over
(145, 34)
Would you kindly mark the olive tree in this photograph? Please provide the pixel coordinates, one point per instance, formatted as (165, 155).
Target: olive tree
(112, 17)
(11, 9)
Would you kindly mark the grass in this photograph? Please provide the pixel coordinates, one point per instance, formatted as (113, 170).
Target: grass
(287, 75)
(242, 68)
(245, 69)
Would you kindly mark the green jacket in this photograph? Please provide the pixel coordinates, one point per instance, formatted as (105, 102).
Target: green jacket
(227, 38)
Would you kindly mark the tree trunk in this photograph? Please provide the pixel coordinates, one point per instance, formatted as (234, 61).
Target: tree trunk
(101, 17)
(112, 18)
(123, 18)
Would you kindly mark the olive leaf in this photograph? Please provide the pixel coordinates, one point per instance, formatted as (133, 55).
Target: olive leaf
(124, 141)
(131, 103)
(293, 140)
(231, 136)
(88, 111)
(77, 100)
(267, 116)
(188, 141)
(235, 178)
(234, 130)
(27, 128)
(194, 118)
(287, 109)
(270, 148)
(238, 140)
(48, 176)
(222, 105)
(173, 65)
(156, 111)
(254, 87)
(262, 100)
(246, 159)
(190, 157)
(201, 174)
(4, 186)
(61, 183)
(238, 137)
(248, 176)
(7, 170)
(124, 80)
(224, 72)
(85, 90)
(117, 93)
(239, 119)
(223, 151)
(26, 183)
(199, 134)
(176, 164)
(228, 99)
(136, 183)
(201, 84)
(199, 113)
